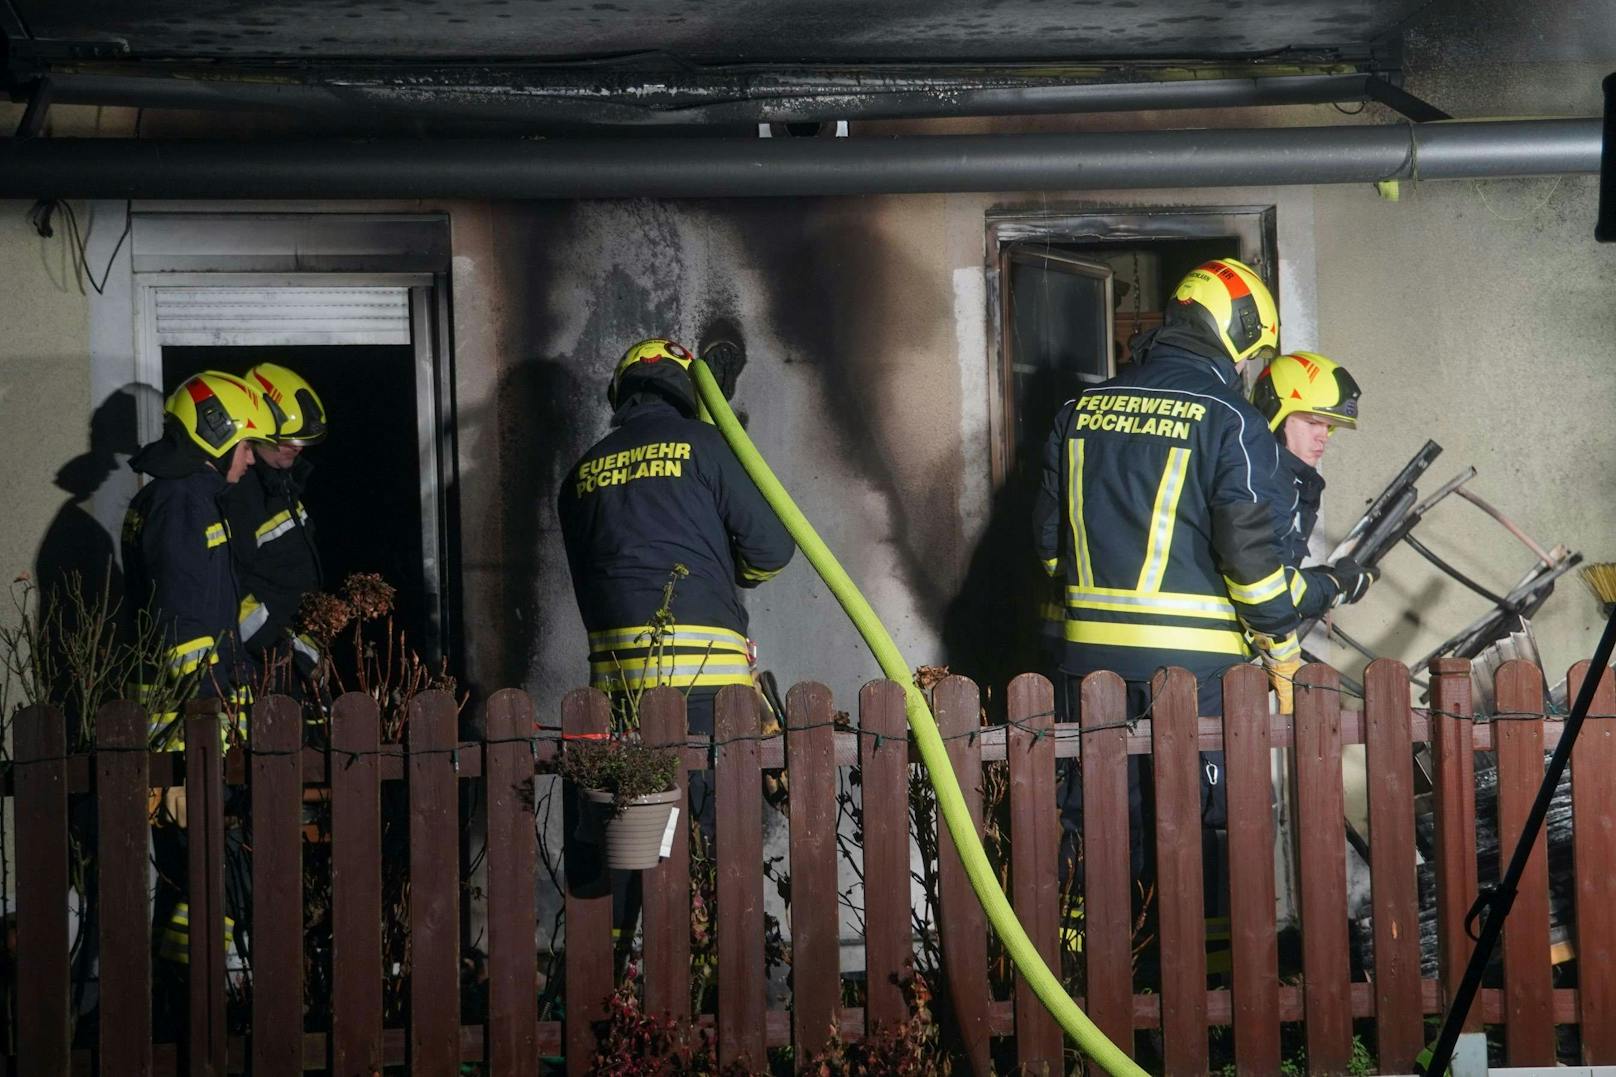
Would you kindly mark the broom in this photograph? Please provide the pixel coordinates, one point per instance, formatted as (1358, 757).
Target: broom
(1601, 580)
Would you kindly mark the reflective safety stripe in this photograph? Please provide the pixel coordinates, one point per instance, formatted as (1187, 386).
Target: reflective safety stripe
(252, 616)
(1163, 515)
(1270, 586)
(280, 523)
(1080, 539)
(683, 636)
(165, 732)
(305, 647)
(1159, 637)
(185, 657)
(215, 535)
(681, 671)
(1178, 605)
(176, 939)
(1286, 648)
(1051, 611)
(1051, 566)
(1298, 585)
(756, 575)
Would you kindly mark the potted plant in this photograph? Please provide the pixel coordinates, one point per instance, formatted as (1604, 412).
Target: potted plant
(629, 794)
(629, 790)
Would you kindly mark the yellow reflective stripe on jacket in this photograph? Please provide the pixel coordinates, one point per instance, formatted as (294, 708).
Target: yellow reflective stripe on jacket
(1298, 585)
(640, 638)
(279, 524)
(1158, 637)
(1177, 605)
(165, 732)
(683, 671)
(1052, 566)
(216, 535)
(1163, 515)
(185, 657)
(1080, 540)
(250, 617)
(1270, 586)
(755, 575)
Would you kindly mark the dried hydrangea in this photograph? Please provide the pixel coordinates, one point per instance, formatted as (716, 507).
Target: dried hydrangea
(323, 615)
(369, 595)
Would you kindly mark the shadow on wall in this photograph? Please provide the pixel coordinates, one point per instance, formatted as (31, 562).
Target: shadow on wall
(538, 407)
(75, 541)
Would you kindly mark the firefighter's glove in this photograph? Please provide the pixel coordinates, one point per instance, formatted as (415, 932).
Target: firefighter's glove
(1351, 579)
(1281, 658)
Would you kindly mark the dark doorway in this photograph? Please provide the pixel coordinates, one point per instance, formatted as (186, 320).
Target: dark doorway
(364, 496)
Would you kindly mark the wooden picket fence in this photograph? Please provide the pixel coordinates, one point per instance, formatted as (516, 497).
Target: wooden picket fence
(277, 768)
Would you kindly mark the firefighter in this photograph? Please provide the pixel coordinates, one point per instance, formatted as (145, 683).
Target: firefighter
(1162, 509)
(175, 535)
(662, 490)
(1305, 398)
(176, 556)
(271, 537)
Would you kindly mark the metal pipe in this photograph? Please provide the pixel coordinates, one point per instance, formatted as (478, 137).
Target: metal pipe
(1508, 525)
(716, 167)
(739, 100)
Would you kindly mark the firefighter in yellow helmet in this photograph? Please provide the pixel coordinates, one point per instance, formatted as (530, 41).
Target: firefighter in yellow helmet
(175, 537)
(1162, 509)
(1305, 398)
(177, 562)
(664, 489)
(270, 533)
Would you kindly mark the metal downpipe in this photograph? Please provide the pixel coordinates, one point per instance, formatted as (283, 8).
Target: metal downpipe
(718, 167)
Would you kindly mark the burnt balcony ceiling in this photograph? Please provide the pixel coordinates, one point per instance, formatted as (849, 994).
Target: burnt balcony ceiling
(702, 32)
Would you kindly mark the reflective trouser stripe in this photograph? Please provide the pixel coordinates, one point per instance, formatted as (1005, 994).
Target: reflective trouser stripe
(185, 657)
(675, 671)
(1159, 637)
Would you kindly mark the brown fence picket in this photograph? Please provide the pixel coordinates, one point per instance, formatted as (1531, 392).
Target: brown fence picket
(816, 986)
(1453, 747)
(1175, 742)
(1253, 939)
(356, 888)
(738, 783)
(122, 912)
(667, 886)
(1593, 819)
(1528, 973)
(204, 807)
(1394, 890)
(1034, 860)
(434, 885)
(1321, 842)
(276, 781)
(957, 705)
(585, 714)
(1107, 871)
(40, 740)
(513, 1015)
(884, 799)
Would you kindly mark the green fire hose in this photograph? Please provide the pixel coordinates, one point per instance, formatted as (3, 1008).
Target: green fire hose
(950, 801)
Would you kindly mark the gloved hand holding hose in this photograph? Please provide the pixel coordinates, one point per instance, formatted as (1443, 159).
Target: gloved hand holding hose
(950, 802)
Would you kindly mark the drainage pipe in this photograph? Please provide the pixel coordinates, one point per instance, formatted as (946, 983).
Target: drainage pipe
(736, 101)
(730, 167)
(950, 801)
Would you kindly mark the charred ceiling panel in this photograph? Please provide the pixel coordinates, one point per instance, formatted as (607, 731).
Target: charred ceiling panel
(716, 31)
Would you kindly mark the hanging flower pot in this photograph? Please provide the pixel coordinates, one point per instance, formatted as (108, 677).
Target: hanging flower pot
(634, 833)
(627, 797)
